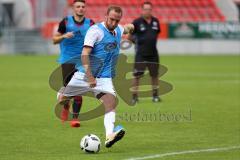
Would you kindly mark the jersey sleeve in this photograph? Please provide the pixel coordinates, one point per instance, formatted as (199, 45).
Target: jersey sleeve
(94, 35)
(62, 26)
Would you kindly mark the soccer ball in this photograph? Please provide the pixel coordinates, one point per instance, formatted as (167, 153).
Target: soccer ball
(90, 143)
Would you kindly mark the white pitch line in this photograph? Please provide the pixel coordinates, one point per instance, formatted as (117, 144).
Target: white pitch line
(184, 152)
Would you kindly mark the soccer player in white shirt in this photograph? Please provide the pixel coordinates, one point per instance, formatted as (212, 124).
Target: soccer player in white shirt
(102, 41)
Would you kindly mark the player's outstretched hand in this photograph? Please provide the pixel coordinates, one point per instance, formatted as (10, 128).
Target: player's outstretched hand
(128, 28)
(68, 35)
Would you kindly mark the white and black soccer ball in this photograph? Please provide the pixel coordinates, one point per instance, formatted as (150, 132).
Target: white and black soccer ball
(90, 143)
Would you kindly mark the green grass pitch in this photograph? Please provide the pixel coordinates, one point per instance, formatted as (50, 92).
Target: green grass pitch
(206, 90)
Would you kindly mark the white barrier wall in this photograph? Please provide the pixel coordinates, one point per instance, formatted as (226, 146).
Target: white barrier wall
(168, 47)
(195, 47)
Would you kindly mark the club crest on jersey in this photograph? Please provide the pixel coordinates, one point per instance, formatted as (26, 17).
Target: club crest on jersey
(155, 23)
(110, 46)
(142, 27)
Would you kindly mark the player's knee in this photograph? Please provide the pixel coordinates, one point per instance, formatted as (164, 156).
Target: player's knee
(109, 101)
(62, 98)
(138, 74)
(110, 109)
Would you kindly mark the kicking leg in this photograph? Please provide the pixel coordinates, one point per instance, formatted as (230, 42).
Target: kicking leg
(112, 134)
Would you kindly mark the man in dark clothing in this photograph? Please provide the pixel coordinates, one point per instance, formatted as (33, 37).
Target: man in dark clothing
(145, 37)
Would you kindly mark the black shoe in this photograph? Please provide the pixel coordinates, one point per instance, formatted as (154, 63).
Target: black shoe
(156, 99)
(134, 101)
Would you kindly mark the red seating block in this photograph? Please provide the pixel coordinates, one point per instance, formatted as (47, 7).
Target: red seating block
(166, 10)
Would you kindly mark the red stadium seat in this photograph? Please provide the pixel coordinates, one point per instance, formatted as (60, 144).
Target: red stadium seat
(187, 3)
(159, 3)
(169, 3)
(178, 3)
(167, 10)
(136, 2)
(91, 2)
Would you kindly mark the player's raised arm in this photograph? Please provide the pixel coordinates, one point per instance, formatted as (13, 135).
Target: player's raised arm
(128, 28)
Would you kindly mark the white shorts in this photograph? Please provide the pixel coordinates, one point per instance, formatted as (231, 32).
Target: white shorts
(78, 85)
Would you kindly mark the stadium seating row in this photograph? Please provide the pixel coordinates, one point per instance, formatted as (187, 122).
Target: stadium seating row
(172, 3)
(165, 10)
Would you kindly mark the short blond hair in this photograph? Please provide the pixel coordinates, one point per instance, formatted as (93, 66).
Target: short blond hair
(114, 8)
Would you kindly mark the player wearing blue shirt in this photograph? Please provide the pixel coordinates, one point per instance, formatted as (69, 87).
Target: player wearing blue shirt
(71, 33)
(99, 57)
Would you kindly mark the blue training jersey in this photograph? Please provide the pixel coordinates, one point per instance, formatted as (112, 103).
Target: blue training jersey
(72, 47)
(104, 55)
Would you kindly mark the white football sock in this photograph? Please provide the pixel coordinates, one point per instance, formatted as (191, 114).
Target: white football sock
(109, 120)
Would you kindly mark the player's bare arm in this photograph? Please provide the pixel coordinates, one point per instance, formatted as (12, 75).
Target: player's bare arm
(128, 28)
(86, 64)
(58, 37)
